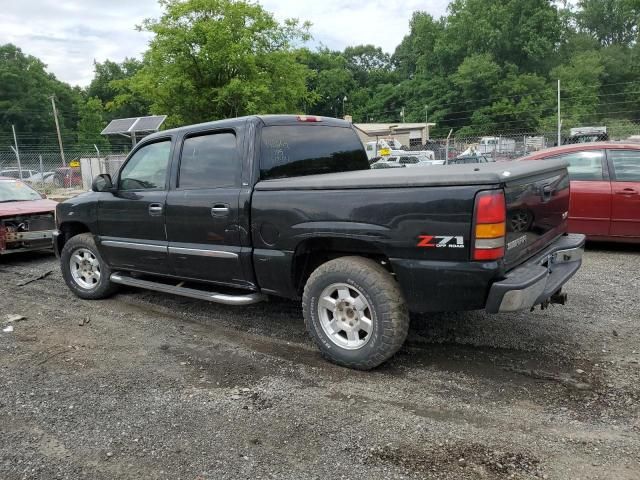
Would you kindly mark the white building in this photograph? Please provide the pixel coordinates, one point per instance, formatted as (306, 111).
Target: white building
(409, 134)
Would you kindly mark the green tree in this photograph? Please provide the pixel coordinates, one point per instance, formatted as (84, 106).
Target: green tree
(524, 33)
(212, 59)
(580, 82)
(610, 21)
(110, 81)
(91, 123)
(25, 88)
(416, 54)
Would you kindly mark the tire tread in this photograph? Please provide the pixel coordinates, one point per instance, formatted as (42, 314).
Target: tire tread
(392, 308)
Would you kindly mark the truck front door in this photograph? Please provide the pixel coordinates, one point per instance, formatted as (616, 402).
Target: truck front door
(131, 221)
(203, 210)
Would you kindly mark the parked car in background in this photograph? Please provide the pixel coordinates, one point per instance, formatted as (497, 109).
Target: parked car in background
(587, 135)
(67, 177)
(380, 164)
(605, 188)
(406, 161)
(27, 218)
(15, 173)
(45, 178)
(496, 145)
(468, 159)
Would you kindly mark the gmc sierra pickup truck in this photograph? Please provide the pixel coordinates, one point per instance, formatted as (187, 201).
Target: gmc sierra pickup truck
(237, 210)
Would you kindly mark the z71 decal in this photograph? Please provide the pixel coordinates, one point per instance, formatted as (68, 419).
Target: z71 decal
(440, 241)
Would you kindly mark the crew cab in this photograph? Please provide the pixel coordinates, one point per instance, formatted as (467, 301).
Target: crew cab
(237, 210)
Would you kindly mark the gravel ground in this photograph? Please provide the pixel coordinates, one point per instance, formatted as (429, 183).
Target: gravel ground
(146, 385)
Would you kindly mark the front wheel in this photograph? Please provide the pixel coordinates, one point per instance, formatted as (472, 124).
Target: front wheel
(355, 312)
(84, 270)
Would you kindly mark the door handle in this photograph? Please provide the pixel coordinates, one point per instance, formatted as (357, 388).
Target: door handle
(627, 191)
(155, 209)
(220, 210)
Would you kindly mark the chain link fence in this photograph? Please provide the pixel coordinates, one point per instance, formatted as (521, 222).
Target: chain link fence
(49, 174)
(45, 169)
(509, 145)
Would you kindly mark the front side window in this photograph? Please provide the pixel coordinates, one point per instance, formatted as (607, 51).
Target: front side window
(626, 165)
(297, 150)
(147, 169)
(209, 161)
(586, 165)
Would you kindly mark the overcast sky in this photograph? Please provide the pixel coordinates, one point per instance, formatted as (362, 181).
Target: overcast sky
(69, 34)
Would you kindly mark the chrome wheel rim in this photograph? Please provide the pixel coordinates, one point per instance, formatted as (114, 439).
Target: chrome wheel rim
(345, 316)
(85, 268)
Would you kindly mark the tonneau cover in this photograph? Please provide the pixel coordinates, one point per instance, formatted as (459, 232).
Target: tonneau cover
(433, 175)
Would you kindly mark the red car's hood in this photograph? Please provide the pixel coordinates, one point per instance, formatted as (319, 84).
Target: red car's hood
(10, 209)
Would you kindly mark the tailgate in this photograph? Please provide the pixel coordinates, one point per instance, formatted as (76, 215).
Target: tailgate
(537, 211)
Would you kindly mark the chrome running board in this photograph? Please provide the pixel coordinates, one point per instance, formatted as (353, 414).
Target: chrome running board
(248, 299)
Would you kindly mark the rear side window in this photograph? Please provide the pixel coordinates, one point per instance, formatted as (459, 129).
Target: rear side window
(626, 165)
(209, 161)
(294, 151)
(585, 165)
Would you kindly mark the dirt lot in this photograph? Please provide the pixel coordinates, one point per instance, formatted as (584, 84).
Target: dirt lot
(152, 386)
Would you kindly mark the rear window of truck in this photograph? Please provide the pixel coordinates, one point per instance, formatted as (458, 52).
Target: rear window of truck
(295, 151)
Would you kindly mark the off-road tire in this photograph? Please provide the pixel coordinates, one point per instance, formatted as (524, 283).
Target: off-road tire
(390, 316)
(104, 288)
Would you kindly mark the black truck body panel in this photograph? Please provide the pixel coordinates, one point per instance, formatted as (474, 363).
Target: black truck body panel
(257, 235)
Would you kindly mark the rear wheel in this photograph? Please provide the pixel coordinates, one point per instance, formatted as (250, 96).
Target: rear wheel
(355, 312)
(84, 270)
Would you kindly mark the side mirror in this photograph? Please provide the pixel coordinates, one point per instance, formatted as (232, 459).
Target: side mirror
(102, 183)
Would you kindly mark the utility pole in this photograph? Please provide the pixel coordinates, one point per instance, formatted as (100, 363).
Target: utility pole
(446, 155)
(402, 114)
(55, 116)
(16, 151)
(426, 122)
(559, 120)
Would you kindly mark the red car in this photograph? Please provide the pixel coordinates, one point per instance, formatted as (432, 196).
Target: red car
(605, 188)
(27, 218)
(67, 177)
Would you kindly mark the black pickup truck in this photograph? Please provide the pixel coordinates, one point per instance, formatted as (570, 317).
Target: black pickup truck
(236, 210)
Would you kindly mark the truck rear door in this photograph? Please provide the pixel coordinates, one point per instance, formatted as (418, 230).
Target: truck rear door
(537, 211)
(203, 209)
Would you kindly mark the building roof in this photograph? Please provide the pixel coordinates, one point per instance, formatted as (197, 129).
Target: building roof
(373, 129)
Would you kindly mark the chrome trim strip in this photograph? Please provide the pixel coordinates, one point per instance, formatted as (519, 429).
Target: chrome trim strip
(202, 252)
(135, 246)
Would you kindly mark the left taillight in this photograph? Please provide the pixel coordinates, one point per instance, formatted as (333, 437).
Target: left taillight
(490, 225)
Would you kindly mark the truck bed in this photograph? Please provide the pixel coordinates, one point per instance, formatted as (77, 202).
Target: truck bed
(434, 175)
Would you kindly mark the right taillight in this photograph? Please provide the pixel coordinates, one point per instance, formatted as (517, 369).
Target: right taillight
(490, 226)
